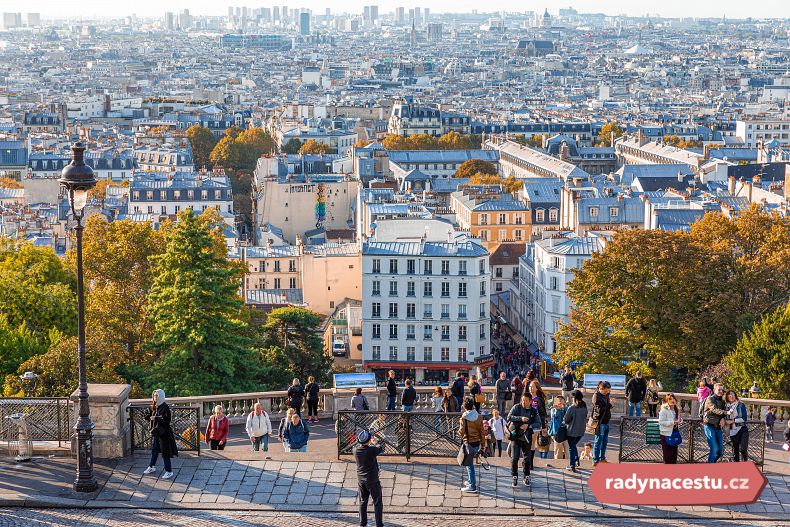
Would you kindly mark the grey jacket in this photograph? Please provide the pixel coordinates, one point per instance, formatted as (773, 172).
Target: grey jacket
(576, 420)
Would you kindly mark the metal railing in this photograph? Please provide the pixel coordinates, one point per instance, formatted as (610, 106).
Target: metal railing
(48, 418)
(634, 447)
(184, 421)
(409, 434)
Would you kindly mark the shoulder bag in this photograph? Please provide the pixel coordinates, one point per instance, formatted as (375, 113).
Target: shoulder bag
(675, 439)
(592, 426)
(464, 457)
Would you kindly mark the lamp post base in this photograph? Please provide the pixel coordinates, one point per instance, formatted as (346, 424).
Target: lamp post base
(90, 485)
(86, 481)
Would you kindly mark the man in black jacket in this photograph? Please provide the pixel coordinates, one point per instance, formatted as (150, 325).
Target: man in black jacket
(568, 381)
(458, 389)
(519, 427)
(366, 455)
(601, 415)
(635, 392)
(714, 412)
(408, 396)
(392, 391)
(502, 389)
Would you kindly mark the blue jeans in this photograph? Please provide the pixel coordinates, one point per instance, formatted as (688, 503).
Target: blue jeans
(573, 451)
(391, 403)
(256, 443)
(599, 444)
(290, 449)
(407, 408)
(631, 407)
(155, 456)
(470, 469)
(715, 443)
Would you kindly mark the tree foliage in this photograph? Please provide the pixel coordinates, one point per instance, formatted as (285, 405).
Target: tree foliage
(311, 146)
(7, 182)
(449, 141)
(292, 146)
(677, 142)
(510, 184)
(17, 345)
(253, 143)
(226, 153)
(605, 135)
(454, 141)
(469, 168)
(203, 142)
(293, 340)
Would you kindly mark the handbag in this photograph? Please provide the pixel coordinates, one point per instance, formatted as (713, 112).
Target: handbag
(592, 426)
(675, 439)
(464, 457)
(562, 434)
(544, 440)
(508, 395)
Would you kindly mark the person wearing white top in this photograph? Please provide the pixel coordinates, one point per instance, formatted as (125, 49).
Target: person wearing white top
(259, 426)
(498, 427)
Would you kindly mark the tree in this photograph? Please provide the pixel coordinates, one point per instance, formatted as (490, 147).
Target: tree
(100, 190)
(422, 142)
(293, 338)
(513, 184)
(763, 356)
(395, 142)
(194, 308)
(17, 344)
(226, 153)
(454, 141)
(202, 141)
(485, 179)
(292, 146)
(535, 141)
(252, 144)
(7, 182)
(605, 135)
(311, 146)
(362, 143)
(469, 168)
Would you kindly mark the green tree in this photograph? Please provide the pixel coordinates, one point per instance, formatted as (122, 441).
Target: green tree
(17, 345)
(293, 339)
(311, 146)
(203, 142)
(252, 144)
(195, 309)
(227, 153)
(292, 146)
(469, 168)
(605, 135)
(763, 355)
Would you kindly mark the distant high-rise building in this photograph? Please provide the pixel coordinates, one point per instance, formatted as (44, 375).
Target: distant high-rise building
(366, 13)
(12, 20)
(328, 12)
(169, 21)
(374, 13)
(435, 31)
(230, 12)
(33, 19)
(284, 12)
(400, 17)
(427, 12)
(266, 14)
(411, 17)
(276, 14)
(184, 19)
(417, 16)
(304, 23)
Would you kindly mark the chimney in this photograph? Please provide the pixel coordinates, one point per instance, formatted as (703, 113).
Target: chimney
(680, 177)
(757, 180)
(640, 137)
(564, 152)
(620, 197)
(731, 185)
(706, 152)
(748, 190)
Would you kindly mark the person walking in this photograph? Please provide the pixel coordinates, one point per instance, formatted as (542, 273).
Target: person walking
(575, 421)
(540, 422)
(408, 397)
(457, 390)
(518, 389)
(502, 392)
(295, 434)
(714, 412)
(652, 397)
(163, 440)
(556, 422)
(568, 382)
(296, 396)
(739, 431)
(312, 391)
(668, 422)
(217, 429)
(392, 391)
(284, 421)
(436, 400)
(359, 402)
(476, 391)
(599, 425)
(635, 392)
(498, 426)
(520, 421)
(471, 430)
(258, 428)
(770, 421)
(368, 483)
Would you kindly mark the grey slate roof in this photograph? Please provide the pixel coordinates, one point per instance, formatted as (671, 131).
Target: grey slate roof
(436, 249)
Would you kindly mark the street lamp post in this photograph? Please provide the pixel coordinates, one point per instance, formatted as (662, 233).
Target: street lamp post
(77, 178)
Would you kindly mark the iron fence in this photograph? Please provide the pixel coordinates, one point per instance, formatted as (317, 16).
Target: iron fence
(694, 448)
(427, 434)
(184, 421)
(48, 418)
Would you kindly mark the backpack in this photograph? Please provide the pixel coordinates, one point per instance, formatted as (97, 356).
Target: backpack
(365, 405)
(702, 408)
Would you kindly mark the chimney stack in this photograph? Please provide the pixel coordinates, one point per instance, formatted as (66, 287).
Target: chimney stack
(706, 152)
(731, 185)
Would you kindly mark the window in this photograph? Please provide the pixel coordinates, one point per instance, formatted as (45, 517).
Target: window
(410, 353)
(411, 310)
(291, 266)
(462, 267)
(376, 288)
(498, 272)
(427, 289)
(462, 311)
(462, 290)
(376, 331)
(410, 331)
(484, 219)
(445, 289)
(410, 266)
(427, 311)
(410, 289)
(393, 353)
(482, 350)
(428, 267)
(482, 331)
(393, 288)
(553, 282)
(375, 310)
(376, 352)
(292, 283)
(376, 265)
(445, 267)
(445, 354)
(502, 235)
(482, 267)
(277, 283)
(502, 219)
(613, 212)
(427, 332)
(540, 215)
(445, 310)
(499, 286)
(553, 215)
(518, 219)
(393, 331)
(445, 332)
(461, 354)
(427, 354)
(393, 310)
(518, 235)
(393, 266)
(555, 303)
(461, 332)
(277, 266)
(593, 212)
(556, 262)
(484, 235)
(482, 289)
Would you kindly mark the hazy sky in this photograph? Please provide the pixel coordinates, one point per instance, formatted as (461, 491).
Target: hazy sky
(670, 8)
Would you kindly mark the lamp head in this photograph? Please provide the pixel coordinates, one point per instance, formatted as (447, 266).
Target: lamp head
(77, 178)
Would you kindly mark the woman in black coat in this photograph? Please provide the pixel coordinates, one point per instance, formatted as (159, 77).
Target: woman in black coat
(163, 439)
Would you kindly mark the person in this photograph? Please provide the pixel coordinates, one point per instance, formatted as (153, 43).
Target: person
(714, 412)
(668, 421)
(575, 421)
(635, 392)
(475, 390)
(652, 398)
(568, 382)
(739, 431)
(470, 428)
(458, 390)
(392, 391)
(368, 484)
(163, 439)
(556, 420)
(540, 421)
(709, 385)
(312, 390)
(437, 399)
(359, 402)
(703, 392)
(408, 397)
(295, 434)
(258, 428)
(488, 443)
(518, 390)
(587, 453)
(449, 402)
(770, 420)
(296, 396)
(502, 391)
(520, 421)
(498, 428)
(217, 429)
(601, 415)
(285, 420)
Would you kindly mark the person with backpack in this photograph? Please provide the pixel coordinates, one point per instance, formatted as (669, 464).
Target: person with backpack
(568, 382)
(502, 392)
(653, 399)
(296, 396)
(739, 431)
(575, 421)
(457, 390)
(312, 391)
(359, 402)
(258, 428)
(635, 392)
(476, 391)
(714, 411)
(517, 386)
(520, 434)
(392, 391)
(598, 424)
(470, 428)
(217, 429)
(408, 397)
(295, 434)
(369, 486)
(668, 422)
(163, 440)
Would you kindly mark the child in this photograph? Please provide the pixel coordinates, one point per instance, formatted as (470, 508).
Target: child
(487, 445)
(557, 417)
(544, 442)
(587, 452)
(703, 391)
(770, 419)
(498, 427)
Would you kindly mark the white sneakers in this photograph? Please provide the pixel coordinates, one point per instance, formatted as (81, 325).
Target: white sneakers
(167, 475)
(149, 470)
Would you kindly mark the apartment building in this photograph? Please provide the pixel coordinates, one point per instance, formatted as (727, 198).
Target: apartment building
(756, 130)
(492, 215)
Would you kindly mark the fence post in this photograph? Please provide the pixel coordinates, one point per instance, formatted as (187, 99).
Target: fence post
(108, 403)
(408, 437)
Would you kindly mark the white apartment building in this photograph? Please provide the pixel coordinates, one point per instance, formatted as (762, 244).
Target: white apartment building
(424, 307)
(762, 130)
